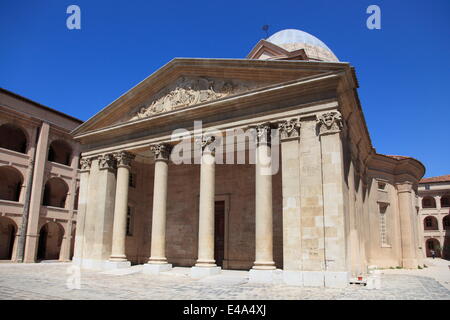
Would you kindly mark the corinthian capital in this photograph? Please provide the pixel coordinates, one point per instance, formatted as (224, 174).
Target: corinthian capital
(207, 143)
(329, 122)
(161, 151)
(123, 158)
(85, 164)
(289, 129)
(263, 132)
(107, 161)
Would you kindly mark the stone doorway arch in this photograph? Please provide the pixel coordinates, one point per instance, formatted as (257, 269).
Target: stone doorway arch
(50, 240)
(8, 230)
(433, 244)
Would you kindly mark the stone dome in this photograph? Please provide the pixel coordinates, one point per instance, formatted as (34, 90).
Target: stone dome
(293, 39)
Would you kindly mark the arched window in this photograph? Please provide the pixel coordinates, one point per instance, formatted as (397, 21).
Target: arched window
(60, 152)
(10, 183)
(445, 201)
(430, 223)
(13, 138)
(55, 193)
(446, 222)
(428, 202)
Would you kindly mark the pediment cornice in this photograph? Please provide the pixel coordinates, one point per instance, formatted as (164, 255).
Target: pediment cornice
(244, 75)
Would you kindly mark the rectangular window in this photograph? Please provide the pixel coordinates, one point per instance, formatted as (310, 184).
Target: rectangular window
(384, 234)
(129, 221)
(427, 187)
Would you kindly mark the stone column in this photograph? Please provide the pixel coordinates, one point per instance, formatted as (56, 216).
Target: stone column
(158, 260)
(81, 212)
(264, 264)
(118, 258)
(289, 132)
(205, 263)
(335, 219)
(437, 199)
(406, 212)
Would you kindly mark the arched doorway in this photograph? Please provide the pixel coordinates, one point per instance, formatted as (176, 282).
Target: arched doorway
(60, 152)
(10, 183)
(55, 193)
(50, 241)
(8, 230)
(13, 138)
(433, 244)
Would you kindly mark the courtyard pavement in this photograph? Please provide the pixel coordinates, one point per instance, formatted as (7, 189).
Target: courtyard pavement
(44, 281)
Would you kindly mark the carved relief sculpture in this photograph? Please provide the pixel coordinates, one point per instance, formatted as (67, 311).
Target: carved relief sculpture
(188, 91)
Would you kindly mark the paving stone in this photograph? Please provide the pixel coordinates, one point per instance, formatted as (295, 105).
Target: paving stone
(49, 282)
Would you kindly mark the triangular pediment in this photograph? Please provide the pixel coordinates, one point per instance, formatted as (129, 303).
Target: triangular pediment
(185, 83)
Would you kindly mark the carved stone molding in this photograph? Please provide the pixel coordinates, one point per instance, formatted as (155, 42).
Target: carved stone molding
(161, 151)
(123, 158)
(107, 161)
(190, 90)
(329, 122)
(263, 133)
(207, 143)
(85, 164)
(289, 129)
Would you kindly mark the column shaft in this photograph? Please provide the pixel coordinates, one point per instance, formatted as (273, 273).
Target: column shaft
(206, 214)
(121, 207)
(158, 244)
(263, 204)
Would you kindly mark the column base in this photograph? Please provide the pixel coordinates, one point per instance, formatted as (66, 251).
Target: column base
(111, 265)
(264, 265)
(265, 276)
(200, 272)
(156, 268)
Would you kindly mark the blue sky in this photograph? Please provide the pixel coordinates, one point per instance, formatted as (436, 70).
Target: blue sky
(403, 69)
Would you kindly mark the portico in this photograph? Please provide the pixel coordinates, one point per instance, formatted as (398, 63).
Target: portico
(281, 174)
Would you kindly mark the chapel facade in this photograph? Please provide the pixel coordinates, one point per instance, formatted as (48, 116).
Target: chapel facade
(262, 164)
